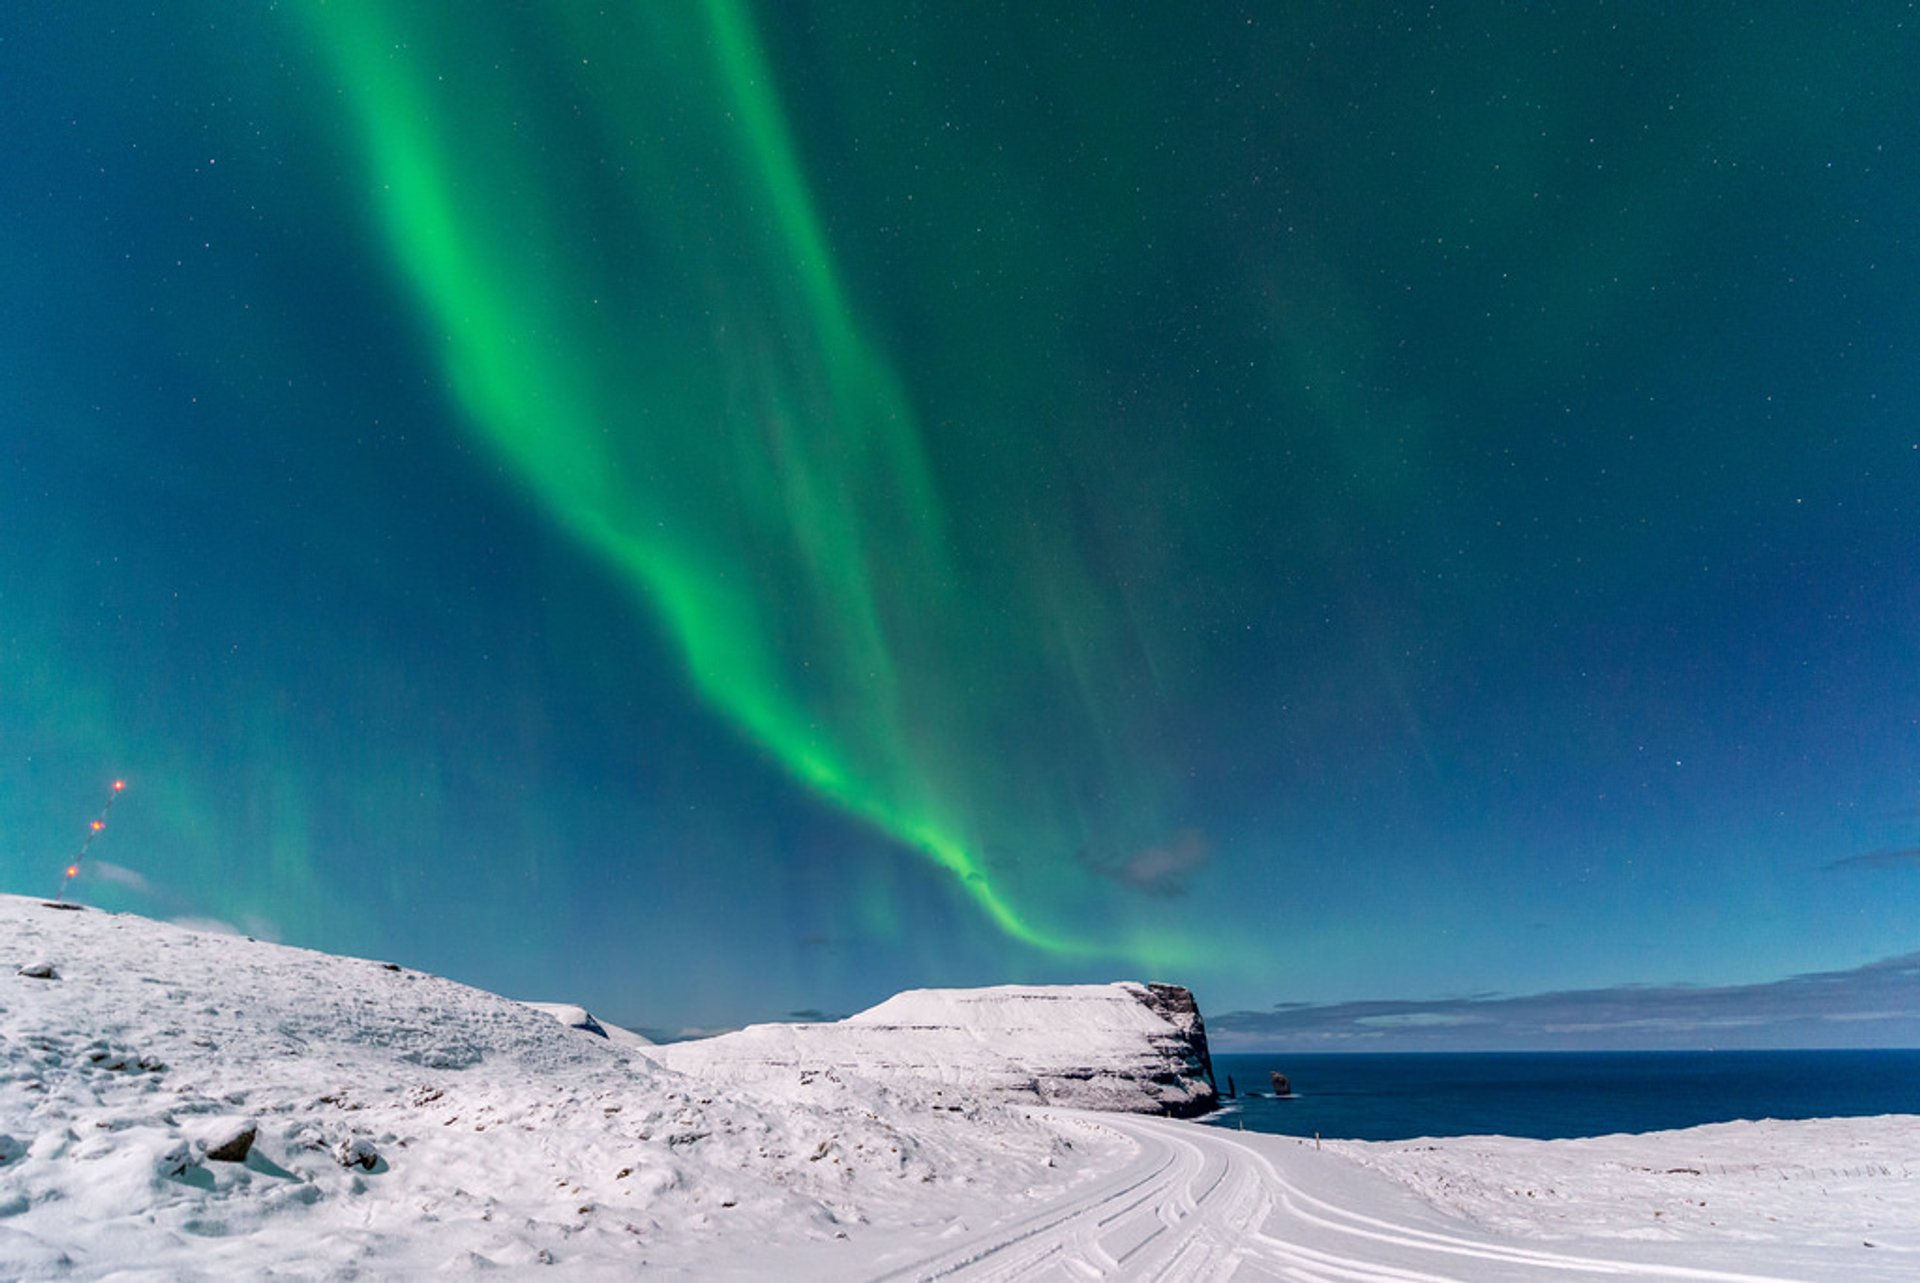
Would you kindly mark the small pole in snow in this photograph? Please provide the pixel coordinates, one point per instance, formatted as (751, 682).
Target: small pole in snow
(1316, 1140)
(93, 831)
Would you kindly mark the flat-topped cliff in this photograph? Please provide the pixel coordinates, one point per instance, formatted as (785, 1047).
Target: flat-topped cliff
(1137, 1048)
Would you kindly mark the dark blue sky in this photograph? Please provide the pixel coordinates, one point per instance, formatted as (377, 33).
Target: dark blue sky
(716, 512)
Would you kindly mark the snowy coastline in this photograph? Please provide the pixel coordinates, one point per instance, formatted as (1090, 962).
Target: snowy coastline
(403, 1125)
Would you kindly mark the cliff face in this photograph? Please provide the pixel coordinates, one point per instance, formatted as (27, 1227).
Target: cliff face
(1175, 1004)
(1130, 1047)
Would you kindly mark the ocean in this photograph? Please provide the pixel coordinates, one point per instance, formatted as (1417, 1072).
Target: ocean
(1554, 1095)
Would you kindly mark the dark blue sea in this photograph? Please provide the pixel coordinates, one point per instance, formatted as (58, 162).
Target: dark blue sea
(1552, 1095)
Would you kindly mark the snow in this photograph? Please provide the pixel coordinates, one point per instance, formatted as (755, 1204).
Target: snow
(502, 1137)
(574, 1017)
(405, 1125)
(1835, 1184)
(1120, 1046)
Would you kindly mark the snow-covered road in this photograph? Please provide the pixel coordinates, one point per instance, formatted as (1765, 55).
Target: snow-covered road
(1202, 1203)
(401, 1126)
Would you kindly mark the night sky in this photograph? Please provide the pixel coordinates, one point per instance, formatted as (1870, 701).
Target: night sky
(717, 509)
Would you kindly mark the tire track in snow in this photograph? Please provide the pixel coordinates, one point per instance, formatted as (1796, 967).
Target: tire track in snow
(1196, 1205)
(1054, 1234)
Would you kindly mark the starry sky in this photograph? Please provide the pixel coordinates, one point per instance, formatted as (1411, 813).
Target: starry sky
(723, 509)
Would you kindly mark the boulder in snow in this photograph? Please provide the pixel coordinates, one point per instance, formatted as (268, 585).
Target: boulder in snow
(232, 1144)
(358, 1152)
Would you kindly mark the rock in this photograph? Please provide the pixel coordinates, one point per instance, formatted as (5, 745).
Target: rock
(358, 1152)
(101, 1054)
(232, 1144)
(1176, 1005)
(1281, 1087)
(177, 1160)
(39, 971)
(1128, 1047)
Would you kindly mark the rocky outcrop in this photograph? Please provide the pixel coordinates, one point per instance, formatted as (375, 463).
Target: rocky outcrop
(1175, 1003)
(1136, 1048)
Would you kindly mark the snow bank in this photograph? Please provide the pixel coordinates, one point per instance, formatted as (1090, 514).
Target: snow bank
(580, 1018)
(1118, 1047)
(1828, 1184)
(177, 1105)
(404, 1124)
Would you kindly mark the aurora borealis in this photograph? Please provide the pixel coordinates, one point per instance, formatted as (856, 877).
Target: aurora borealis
(718, 508)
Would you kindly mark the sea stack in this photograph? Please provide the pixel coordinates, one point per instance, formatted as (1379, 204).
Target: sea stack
(1281, 1087)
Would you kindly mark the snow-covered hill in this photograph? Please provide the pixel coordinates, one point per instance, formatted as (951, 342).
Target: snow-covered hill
(574, 1017)
(1129, 1047)
(179, 1105)
(402, 1123)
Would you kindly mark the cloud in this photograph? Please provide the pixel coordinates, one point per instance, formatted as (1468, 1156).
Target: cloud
(213, 926)
(1877, 1005)
(1162, 870)
(1420, 1020)
(1905, 858)
(181, 910)
(686, 1033)
(120, 875)
(261, 927)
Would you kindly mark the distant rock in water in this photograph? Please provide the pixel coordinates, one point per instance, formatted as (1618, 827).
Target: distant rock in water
(1127, 1047)
(1281, 1087)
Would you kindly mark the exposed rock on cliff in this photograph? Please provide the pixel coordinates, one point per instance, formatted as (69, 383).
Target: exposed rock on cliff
(1137, 1048)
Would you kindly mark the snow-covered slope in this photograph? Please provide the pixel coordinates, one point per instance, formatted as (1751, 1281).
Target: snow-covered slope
(575, 1017)
(1123, 1046)
(403, 1123)
(1830, 1184)
(177, 1105)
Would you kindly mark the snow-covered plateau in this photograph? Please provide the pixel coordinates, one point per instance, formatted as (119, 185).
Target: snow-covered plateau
(1134, 1048)
(177, 1104)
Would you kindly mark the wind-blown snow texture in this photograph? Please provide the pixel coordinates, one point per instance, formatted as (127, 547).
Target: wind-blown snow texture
(501, 1136)
(1833, 1184)
(1123, 1046)
(403, 1125)
(576, 1017)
